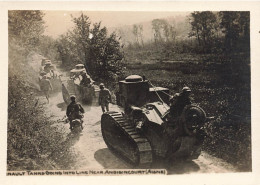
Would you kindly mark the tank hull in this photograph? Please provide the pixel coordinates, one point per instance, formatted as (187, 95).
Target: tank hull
(87, 95)
(144, 149)
(147, 116)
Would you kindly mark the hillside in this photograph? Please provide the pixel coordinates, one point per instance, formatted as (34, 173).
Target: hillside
(180, 23)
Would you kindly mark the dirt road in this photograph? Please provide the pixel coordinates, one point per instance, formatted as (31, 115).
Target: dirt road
(94, 154)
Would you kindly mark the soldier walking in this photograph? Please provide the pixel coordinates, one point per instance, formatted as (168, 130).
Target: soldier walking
(46, 86)
(104, 98)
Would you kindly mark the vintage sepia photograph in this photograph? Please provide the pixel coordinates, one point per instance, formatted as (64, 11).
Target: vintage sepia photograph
(128, 92)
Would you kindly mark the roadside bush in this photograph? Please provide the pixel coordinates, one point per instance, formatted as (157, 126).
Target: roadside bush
(91, 45)
(48, 48)
(32, 142)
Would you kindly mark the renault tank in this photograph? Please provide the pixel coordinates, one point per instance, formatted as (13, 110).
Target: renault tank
(85, 92)
(145, 132)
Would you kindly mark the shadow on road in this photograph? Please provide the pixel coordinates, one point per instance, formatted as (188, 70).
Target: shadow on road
(72, 138)
(108, 160)
(62, 106)
(87, 108)
(97, 123)
(54, 94)
(183, 167)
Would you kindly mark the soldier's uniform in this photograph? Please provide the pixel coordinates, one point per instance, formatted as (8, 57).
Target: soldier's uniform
(74, 111)
(46, 86)
(86, 80)
(174, 127)
(104, 98)
(42, 73)
(178, 102)
(47, 68)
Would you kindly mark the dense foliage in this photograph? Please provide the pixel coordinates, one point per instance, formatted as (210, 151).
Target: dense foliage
(33, 143)
(25, 27)
(201, 32)
(101, 54)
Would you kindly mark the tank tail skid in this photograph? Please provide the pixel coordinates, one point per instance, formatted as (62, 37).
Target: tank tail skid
(189, 149)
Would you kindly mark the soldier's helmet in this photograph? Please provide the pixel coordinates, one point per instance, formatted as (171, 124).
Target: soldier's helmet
(185, 90)
(42, 73)
(48, 63)
(101, 85)
(72, 98)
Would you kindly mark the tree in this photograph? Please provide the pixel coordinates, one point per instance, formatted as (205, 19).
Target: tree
(163, 31)
(122, 36)
(166, 29)
(156, 26)
(203, 27)
(80, 36)
(230, 25)
(172, 33)
(101, 53)
(135, 32)
(245, 24)
(67, 50)
(235, 25)
(140, 33)
(25, 26)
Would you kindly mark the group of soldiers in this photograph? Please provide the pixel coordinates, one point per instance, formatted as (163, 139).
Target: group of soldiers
(76, 111)
(177, 103)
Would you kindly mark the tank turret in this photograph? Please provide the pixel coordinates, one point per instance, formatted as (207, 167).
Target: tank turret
(135, 90)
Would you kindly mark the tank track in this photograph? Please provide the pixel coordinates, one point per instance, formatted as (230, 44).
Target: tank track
(143, 148)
